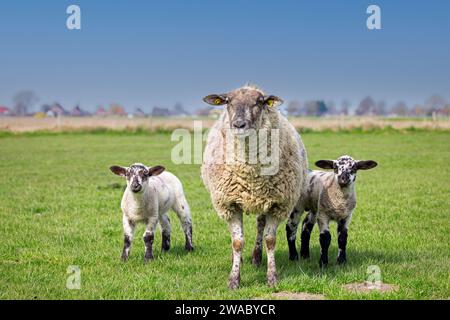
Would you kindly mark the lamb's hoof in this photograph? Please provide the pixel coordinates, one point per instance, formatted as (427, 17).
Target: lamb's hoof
(165, 245)
(341, 260)
(304, 255)
(124, 257)
(165, 248)
(148, 258)
(233, 282)
(257, 257)
(272, 279)
(293, 256)
(323, 265)
(189, 248)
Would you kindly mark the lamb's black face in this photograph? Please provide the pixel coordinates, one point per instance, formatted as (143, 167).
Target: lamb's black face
(136, 175)
(345, 168)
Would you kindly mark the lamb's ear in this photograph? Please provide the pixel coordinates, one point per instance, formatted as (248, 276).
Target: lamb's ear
(120, 171)
(156, 170)
(366, 164)
(325, 164)
(273, 101)
(216, 99)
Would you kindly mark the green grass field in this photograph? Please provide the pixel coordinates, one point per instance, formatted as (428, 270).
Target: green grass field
(60, 206)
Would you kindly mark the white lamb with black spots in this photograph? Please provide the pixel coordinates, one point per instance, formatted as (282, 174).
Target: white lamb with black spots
(330, 196)
(148, 197)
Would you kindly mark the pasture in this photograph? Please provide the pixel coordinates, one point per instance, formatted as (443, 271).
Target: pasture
(60, 206)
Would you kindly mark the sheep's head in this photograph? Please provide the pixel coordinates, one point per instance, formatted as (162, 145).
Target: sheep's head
(245, 107)
(136, 175)
(345, 168)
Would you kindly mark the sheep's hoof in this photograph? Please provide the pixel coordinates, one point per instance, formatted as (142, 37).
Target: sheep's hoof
(188, 247)
(257, 257)
(272, 279)
(234, 281)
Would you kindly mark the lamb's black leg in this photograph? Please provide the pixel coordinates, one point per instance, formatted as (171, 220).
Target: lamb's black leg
(128, 230)
(307, 227)
(148, 241)
(126, 247)
(325, 239)
(342, 241)
(291, 234)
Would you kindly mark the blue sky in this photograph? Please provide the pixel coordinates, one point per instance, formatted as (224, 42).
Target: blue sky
(147, 53)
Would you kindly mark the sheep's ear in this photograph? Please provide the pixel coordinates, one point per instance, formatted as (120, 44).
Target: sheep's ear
(366, 164)
(325, 164)
(156, 170)
(216, 99)
(120, 171)
(273, 101)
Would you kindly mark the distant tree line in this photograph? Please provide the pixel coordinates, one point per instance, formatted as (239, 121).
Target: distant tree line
(25, 100)
(435, 105)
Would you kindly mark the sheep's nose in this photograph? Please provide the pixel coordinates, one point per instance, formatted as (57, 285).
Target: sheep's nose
(239, 124)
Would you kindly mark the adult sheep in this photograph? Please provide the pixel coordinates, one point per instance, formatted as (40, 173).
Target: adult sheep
(240, 184)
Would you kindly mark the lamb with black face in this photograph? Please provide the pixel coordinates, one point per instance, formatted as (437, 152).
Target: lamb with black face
(330, 196)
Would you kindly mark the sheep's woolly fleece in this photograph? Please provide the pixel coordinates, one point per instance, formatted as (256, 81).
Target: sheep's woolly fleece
(241, 186)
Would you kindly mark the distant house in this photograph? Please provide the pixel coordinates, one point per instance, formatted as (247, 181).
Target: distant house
(101, 112)
(54, 110)
(139, 113)
(160, 112)
(4, 111)
(117, 110)
(78, 112)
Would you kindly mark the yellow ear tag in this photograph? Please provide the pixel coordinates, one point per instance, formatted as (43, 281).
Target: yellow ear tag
(270, 102)
(217, 101)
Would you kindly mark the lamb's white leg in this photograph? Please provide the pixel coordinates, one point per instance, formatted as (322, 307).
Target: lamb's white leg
(270, 236)
(257, 251)
(149, 236)
(181, 208)
(166, 230)
(128, 230)
(237, 236)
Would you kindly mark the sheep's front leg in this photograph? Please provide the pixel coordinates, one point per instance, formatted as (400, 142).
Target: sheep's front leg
(128, 230)
(291, 233)
(257, 251)
(149, 236)
(237, 236)
(342, 240)
(307, 227)
(325, 239)
(270, 236)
